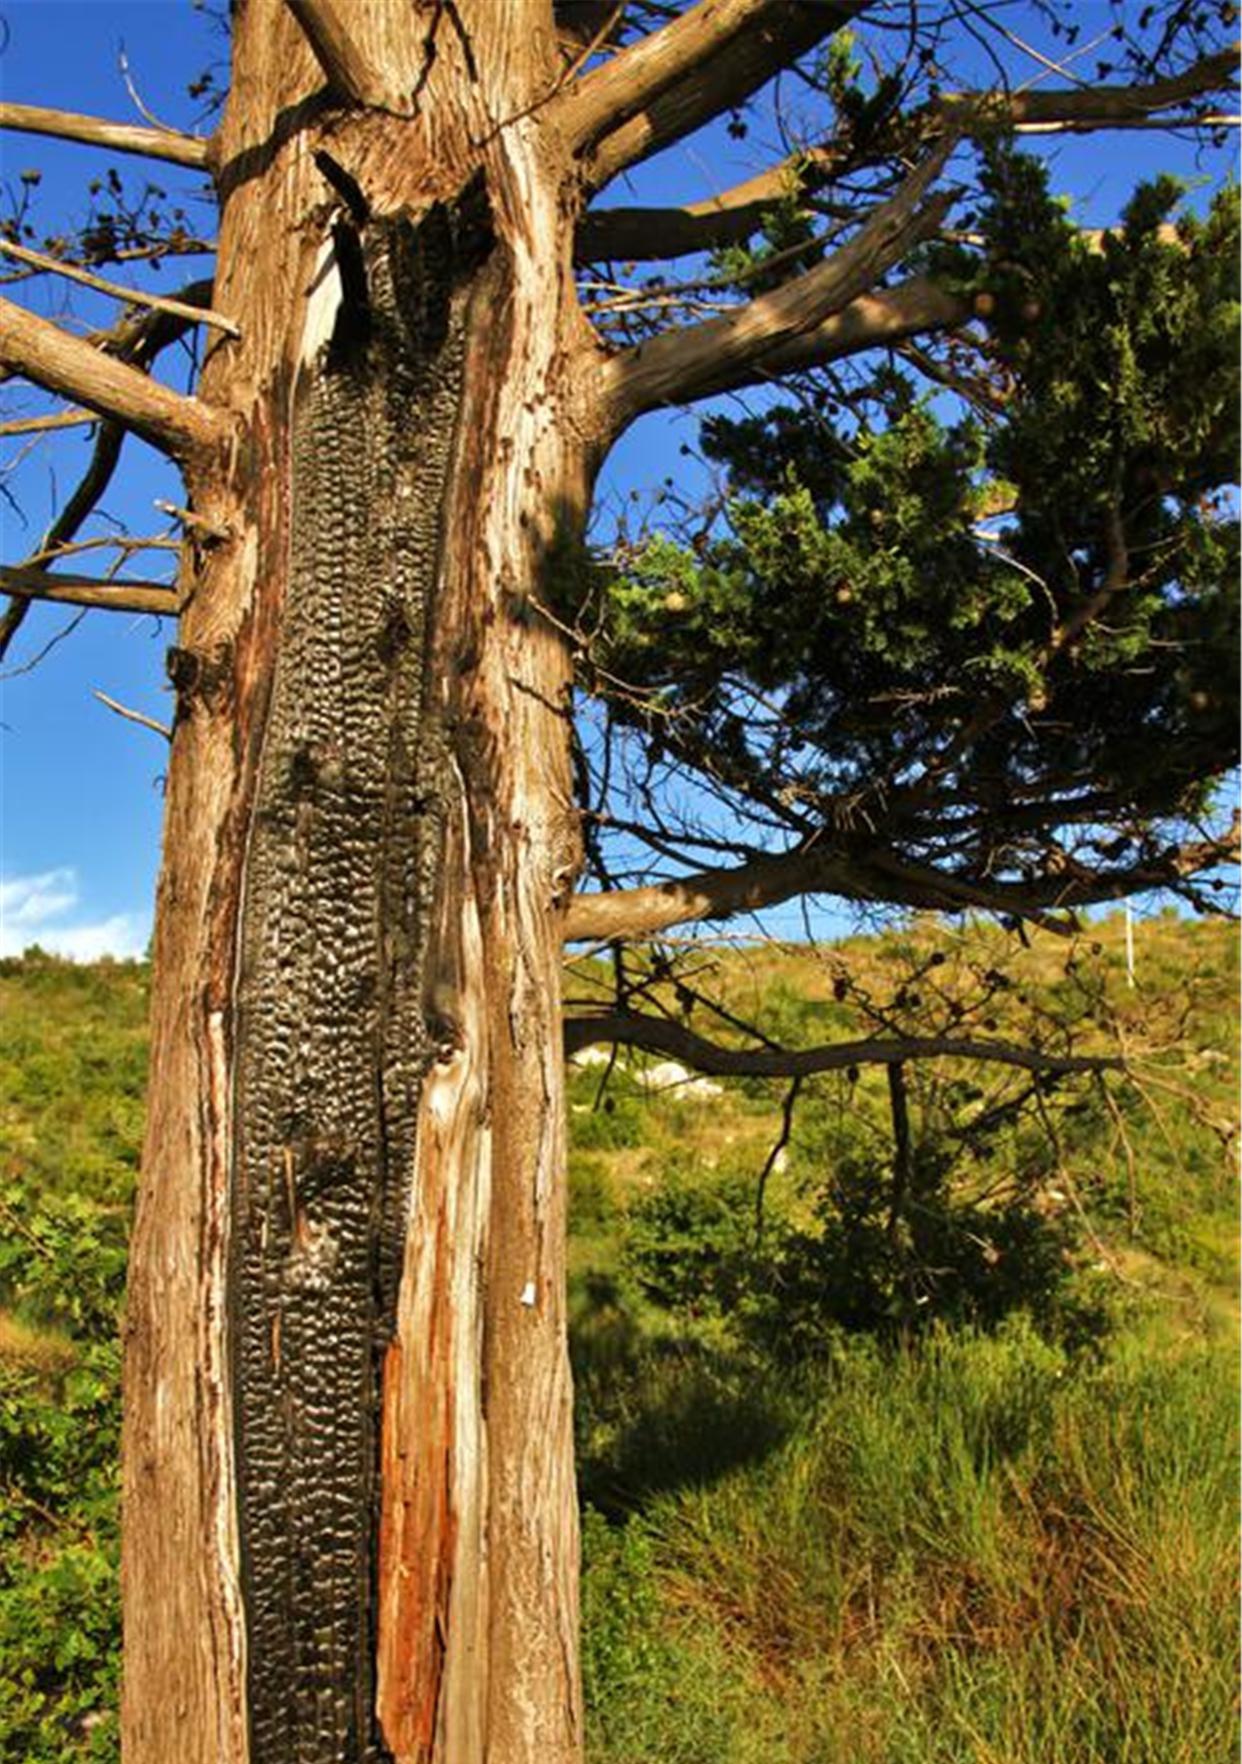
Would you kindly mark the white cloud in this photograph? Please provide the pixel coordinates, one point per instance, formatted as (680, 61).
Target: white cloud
(40, 909)
(30, 900)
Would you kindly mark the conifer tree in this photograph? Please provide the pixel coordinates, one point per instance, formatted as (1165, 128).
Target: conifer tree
(350, 1526)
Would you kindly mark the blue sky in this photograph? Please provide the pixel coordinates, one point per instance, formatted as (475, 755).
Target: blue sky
(80, 788)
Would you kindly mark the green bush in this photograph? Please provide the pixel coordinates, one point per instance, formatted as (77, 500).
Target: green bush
(59, 1559)
(865, 1267)
(62, 1263)
(688, 1241)
(859, 1265)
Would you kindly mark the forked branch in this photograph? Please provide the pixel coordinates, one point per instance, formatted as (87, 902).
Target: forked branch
(640, 235)
(662, 1035)
(172, 421)
(67, 125)
(737, 348)
(340, 48)
(913, 308)
(636, 913)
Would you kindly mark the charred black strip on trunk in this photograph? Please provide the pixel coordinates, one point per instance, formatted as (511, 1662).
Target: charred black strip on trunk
(346, 186)
(331, 1036)
(352, 331)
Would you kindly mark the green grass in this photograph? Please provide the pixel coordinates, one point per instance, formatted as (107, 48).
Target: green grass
(804, 1543)
(968, 1553)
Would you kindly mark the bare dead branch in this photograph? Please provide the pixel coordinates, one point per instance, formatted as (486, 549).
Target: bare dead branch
(735, 348)
(639, 235)
(774, 1156)
(876, 875)
(133, 716)
(873, 321)
(138, 338)
(66, 125)
(700, 43)
(91, 486)
(1088, 107)
(38, 425)
(72, 368)
(709, 59)
(633, 913)
(663, 1035)
(72, 272)
(133, 597)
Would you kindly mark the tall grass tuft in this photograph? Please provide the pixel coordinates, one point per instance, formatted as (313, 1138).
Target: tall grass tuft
(966, 1553)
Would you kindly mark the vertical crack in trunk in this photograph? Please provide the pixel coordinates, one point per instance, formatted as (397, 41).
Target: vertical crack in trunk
(334, 1028)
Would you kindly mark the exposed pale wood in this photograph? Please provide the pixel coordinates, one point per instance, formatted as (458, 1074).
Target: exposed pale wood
(663, 1035)
(132, 716)
(494, 1673)
(67, 125)
(705, 38)
(681, 365)
(142, 597)
(70, 367)
(72, 272)
(1090, 106)
(908, 309)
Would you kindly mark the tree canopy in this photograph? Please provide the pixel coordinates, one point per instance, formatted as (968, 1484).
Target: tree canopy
(940, 619)
(961, 624)
(954, 624)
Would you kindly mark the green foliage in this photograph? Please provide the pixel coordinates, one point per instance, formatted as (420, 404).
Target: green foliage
(1096, 619)
(856, 1264)
(72, 1075)
(646, 1691)
(940, 1260)
(817, 1529)
(59, 1560)
(688, 1241)
(74, 1072)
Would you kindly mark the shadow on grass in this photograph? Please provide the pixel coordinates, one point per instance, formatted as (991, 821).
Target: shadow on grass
(665, 1411)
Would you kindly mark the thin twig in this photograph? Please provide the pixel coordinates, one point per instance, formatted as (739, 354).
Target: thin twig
(791, 1098)
(57, 419)
(56, 266)
(133, 716)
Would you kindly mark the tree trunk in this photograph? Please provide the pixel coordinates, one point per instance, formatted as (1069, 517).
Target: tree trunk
(350, 1524)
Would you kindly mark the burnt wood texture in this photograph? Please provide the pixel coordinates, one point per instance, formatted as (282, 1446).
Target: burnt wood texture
(333, 1028)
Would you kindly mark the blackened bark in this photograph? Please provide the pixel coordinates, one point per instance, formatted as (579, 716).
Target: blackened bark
(335, 1025)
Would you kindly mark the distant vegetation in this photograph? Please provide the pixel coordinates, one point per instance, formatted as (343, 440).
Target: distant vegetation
(926, 1460)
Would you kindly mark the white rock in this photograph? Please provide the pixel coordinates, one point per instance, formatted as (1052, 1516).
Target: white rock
(590, 1056)
(668, 1074)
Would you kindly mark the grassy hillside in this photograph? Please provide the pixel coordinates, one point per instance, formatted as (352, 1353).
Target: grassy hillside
(949, 1476)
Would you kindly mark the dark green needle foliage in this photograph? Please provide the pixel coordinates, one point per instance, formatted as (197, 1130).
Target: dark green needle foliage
(988, 594)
